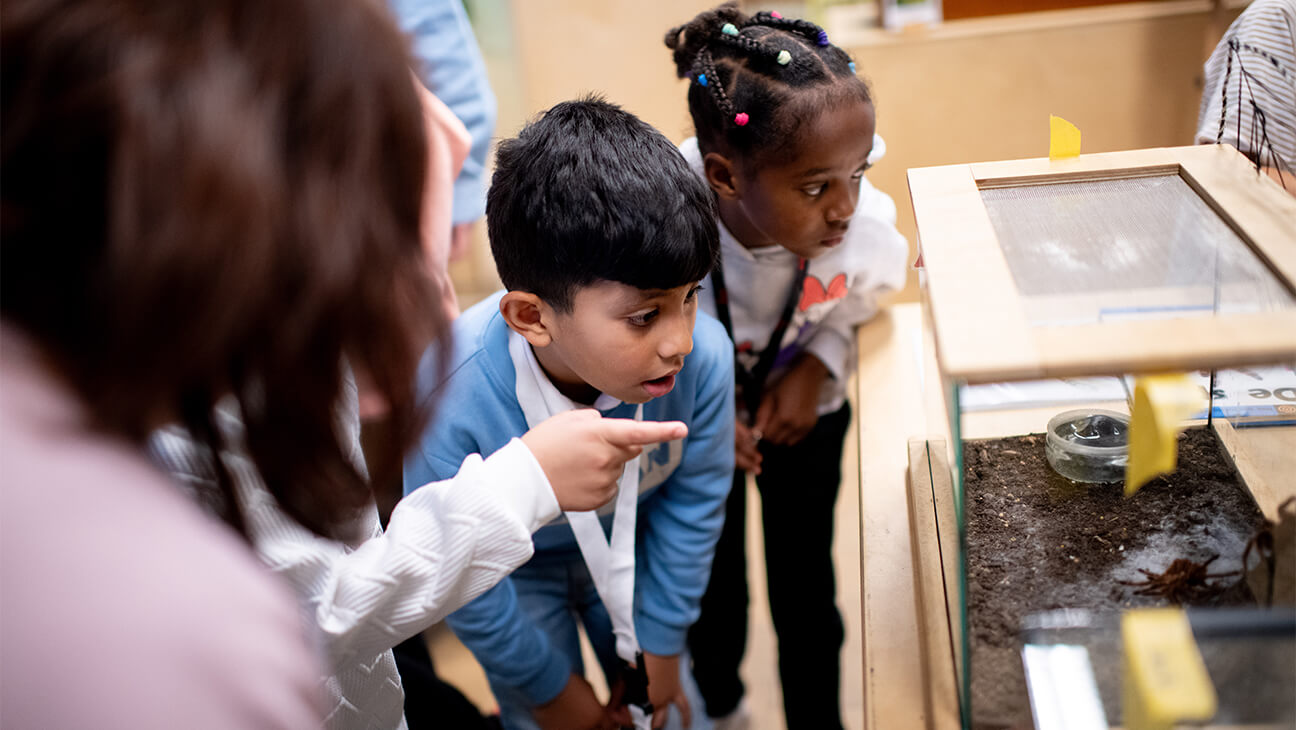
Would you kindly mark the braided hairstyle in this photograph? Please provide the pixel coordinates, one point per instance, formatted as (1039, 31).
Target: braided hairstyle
(756, 79)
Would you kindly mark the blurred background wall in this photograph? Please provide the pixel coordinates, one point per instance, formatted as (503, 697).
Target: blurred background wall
(973, 89)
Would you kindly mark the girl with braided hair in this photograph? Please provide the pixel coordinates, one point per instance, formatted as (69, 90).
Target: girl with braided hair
(785, 131)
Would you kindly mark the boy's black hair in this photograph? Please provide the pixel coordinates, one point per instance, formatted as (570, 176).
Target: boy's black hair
(587, 193)
(739, 72)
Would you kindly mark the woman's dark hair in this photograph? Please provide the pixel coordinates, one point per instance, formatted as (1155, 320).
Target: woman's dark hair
(212, 198)
(746, 97)
(589, 192)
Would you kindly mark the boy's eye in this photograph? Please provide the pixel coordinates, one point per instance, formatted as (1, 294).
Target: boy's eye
(641, 319)
(815, 190)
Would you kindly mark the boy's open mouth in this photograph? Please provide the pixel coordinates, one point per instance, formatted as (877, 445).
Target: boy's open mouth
(658, 387)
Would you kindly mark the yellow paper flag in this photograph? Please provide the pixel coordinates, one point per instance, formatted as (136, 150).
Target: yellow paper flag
(1165, 678)
(1064, 139)
(1161, 404)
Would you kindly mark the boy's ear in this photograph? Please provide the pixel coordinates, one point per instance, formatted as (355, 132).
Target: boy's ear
(525, 314)
(722, 175)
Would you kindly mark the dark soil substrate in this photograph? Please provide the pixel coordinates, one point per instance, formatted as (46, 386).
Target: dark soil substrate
(1038, 541)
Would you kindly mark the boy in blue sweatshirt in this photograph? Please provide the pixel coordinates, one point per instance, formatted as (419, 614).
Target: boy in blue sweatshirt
(601, 233)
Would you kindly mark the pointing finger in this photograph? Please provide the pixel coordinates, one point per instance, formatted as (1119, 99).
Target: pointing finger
(625, 432)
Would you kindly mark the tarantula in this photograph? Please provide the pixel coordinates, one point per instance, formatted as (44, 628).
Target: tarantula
(1183, 582)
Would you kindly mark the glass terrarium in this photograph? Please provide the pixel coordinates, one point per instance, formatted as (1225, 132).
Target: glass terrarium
(1053, 290)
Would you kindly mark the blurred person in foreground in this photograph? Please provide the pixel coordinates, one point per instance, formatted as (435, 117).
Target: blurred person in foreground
(198, 216)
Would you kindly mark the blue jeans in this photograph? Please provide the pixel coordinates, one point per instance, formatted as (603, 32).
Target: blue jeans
(555, 594)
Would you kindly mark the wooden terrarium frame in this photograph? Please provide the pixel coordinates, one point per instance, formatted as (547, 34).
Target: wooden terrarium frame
(980, 333)
(969, 282)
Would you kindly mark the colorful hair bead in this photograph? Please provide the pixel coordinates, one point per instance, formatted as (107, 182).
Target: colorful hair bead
(823, 38)
(851, 64)
(784, 58)
(776, 14)
(729, 29)
(702, 81)
(740, 119)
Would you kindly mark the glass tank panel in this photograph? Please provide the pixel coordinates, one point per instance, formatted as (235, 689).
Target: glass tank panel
(1033, 270)
(1093, 251)
(1033, 540)
(1075, 666)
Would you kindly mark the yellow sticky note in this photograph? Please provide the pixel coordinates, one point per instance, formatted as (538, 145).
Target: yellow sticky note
(1161, 404)
(1064, 139)
(1165, 679)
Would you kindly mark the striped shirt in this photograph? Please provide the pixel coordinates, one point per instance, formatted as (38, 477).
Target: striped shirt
(1262, 43)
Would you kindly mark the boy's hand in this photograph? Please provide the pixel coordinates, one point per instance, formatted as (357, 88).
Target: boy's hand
(664, 689)
(582, 453)
(575, 708)
(789, 409)
(746, 456)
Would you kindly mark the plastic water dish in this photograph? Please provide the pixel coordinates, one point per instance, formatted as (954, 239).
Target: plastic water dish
(1088, 445)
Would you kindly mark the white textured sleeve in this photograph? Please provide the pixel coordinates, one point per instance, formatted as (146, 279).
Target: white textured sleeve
(832, 347)
(447, 542)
